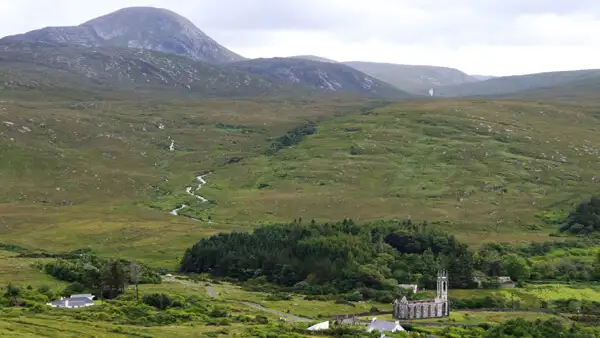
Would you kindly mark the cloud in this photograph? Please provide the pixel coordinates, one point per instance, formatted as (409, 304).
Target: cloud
(478, 36)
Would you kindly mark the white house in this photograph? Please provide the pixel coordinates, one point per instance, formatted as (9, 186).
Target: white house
(384, 326)
(75, 301)
(319, 326)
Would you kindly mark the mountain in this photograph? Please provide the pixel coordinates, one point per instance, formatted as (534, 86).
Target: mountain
(332, 77)
(483, 77)
(313, 58)
(44, 66)
(412, 78)
(585, 90)
(518, 83)
(137, 27)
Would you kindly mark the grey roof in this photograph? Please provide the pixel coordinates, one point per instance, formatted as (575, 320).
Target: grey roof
(80, 301)
(382, 325)
(83, 295)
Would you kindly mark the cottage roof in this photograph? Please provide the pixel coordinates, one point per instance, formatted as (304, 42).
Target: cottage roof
(384, 326)
(83, 295)
(71, 302)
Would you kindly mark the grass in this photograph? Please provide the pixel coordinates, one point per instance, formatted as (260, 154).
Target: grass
(22, 271)
(104, 178)
(552, 292)
(445, 162)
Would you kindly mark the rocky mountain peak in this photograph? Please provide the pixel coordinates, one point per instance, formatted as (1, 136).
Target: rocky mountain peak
(138, 27)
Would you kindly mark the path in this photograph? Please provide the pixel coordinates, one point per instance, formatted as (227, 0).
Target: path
(211, 291)
(192, 191)
(278, 313)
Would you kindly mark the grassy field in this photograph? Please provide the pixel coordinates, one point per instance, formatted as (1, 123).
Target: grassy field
(481, 169)
(22, 271)
(100, 174)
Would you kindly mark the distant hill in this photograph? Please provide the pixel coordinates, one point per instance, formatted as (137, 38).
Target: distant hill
(313, 58)
(411, 78)
(137, 27)
(483, 77)
(44, 66)
(585, 90)
(331, 77)
(519, 83)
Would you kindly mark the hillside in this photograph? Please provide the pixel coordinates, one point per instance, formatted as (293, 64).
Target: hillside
(44, 66)
(330, 77)
(583, 91)
(412, 78)
(101, 173)
(518, 83)
(313, 58)
(148, 28)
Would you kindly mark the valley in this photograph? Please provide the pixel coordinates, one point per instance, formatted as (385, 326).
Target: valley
(194, 191)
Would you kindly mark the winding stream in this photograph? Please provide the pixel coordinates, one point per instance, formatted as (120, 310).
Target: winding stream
(193, 191)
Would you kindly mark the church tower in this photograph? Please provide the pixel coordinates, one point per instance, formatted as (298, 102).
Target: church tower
(442, 285)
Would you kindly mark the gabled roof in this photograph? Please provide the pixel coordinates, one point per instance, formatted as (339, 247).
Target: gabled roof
(83, 295)
(384, 326)
(72, 302)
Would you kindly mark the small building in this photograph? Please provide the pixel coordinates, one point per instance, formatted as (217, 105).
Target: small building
(319, 326)
(384, 326)
(75, 301)
(413, 287)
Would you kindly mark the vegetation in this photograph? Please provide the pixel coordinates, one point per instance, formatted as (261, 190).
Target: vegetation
(335, 258)
(585, 219)
(90, 168)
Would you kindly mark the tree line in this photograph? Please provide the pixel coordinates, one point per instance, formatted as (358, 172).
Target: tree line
(330, 258)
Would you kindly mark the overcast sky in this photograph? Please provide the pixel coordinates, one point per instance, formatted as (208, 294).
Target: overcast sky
(489, 37)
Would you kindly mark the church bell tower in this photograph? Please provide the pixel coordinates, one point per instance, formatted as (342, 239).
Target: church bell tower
(442, 285)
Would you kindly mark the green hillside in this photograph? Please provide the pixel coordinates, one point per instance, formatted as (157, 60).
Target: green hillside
(101, 173)
(415, 79)
(518, 84)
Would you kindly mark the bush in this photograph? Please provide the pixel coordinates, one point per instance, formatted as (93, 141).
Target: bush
(160, 301)
(261, 319)
(218, 312)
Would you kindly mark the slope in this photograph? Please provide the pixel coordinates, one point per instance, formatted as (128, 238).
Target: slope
(517, 83)
(35, 65)
(412, 78)
(137, 27)
(313, 58)
(83, 173)
(331, 77)
(583, 91)
(481, 169)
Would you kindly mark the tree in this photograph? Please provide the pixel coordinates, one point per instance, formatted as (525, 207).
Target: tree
(113, 278)
(516, 267)
(135, 276)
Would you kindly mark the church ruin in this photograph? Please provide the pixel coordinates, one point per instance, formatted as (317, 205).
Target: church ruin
(421, 309)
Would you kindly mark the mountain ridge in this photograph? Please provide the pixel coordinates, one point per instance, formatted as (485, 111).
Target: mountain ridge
(516, 83)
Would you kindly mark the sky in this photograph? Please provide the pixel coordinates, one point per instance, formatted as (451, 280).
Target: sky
(483, 37)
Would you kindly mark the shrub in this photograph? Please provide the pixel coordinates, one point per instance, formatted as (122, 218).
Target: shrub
(160, 301)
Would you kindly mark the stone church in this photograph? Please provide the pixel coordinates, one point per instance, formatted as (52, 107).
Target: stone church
(434, 308)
